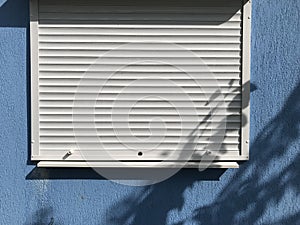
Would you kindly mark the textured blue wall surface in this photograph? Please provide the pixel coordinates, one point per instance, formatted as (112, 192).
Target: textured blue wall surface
(265, 190)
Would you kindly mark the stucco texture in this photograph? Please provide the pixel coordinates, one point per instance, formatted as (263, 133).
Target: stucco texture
(264, 190)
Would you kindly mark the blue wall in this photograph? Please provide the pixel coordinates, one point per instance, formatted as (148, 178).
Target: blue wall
(264, 190)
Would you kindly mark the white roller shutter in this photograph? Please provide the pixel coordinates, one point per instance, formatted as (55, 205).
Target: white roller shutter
(139, 80)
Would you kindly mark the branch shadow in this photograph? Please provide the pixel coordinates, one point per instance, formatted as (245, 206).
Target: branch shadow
(244, 194)
(151, 204)
(216, 145)
(249, 195)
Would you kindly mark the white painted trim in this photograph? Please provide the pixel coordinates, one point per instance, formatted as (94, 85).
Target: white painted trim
(34, 75)
(213, 158)
(138, 164)
(246, 58)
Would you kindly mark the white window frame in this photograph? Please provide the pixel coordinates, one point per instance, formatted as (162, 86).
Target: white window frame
(221, 163)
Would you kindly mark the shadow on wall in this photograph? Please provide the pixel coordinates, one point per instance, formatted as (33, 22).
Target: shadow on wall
(9, 19)
(246, 198)
(42, 217)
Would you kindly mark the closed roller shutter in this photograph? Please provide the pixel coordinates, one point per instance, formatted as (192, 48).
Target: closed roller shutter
(138, 80)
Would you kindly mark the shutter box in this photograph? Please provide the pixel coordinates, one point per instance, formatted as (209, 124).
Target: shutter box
(147, 83)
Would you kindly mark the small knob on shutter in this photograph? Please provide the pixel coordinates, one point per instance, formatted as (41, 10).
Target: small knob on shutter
(70, 152)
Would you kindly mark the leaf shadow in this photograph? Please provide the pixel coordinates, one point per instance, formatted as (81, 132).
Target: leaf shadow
(246, 197)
